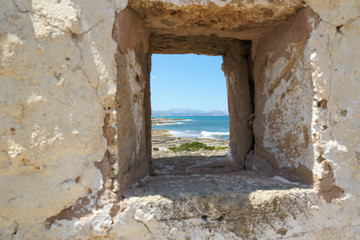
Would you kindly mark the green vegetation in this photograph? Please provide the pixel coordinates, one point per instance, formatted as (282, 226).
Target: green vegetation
(194, 146)
(155, 149)
(220, 148)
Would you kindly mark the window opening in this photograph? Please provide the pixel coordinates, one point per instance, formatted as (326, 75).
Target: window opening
(190, 118)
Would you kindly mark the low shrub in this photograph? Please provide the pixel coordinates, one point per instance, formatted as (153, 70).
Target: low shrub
(221, 148)
(194, 146)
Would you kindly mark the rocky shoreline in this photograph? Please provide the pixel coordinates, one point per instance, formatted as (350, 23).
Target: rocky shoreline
(164, 121)
(167, 161)
(162, 140)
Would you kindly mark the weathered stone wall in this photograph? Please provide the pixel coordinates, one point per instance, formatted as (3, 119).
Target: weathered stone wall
(334, 59)
(297, 117)
(284, 95)
(235, 67)
(57, 87)
(133, 98)
(61, 83)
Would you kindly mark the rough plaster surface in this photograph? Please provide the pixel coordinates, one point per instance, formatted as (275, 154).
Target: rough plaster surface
(226, 18)
(235, 68)
(133, 98)
(57, 75)
(284, 95)
(58, 115)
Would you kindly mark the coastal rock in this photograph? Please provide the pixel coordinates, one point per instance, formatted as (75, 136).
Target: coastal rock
(75, 120)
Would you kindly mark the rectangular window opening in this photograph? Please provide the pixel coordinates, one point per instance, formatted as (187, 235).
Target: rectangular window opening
(190, 117)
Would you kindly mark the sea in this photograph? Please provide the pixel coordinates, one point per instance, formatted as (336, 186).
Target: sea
(214, 127)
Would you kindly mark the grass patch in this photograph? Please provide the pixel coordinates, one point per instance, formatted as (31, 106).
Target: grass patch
(155, 149)
(194, 146)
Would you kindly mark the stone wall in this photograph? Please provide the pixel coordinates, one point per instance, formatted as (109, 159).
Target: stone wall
(133, 98)
(235, 67)
(284, 95)
(334, 58)
(74, 116)
(58, 87)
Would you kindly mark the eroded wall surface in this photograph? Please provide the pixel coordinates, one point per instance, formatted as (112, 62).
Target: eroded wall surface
(298, 110)
(335, 117)
(284, 95)
(58, 115)
(133, 98)
(235, 68)
(58, 86)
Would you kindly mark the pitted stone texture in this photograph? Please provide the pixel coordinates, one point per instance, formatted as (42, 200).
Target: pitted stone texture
(185, 23)
(208, 45)
(335, 129)
(57, 75)
(235, 206)
(231, 15)
(283, 95)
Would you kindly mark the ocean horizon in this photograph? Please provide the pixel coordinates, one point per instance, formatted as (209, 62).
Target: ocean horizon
(213, 127)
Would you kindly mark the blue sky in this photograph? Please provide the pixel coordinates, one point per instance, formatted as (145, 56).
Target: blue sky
(187, 81)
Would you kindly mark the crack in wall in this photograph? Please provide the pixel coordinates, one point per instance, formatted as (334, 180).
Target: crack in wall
(80, 66)
(60, 22)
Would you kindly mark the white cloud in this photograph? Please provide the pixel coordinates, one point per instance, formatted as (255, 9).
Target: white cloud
(153, 77)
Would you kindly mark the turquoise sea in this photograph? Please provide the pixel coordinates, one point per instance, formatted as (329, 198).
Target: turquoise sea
(215, 127)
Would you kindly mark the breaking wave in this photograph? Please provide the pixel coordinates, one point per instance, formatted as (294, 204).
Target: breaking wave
(214, 134)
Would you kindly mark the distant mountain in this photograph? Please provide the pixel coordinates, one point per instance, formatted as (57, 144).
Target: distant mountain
(187, 112)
